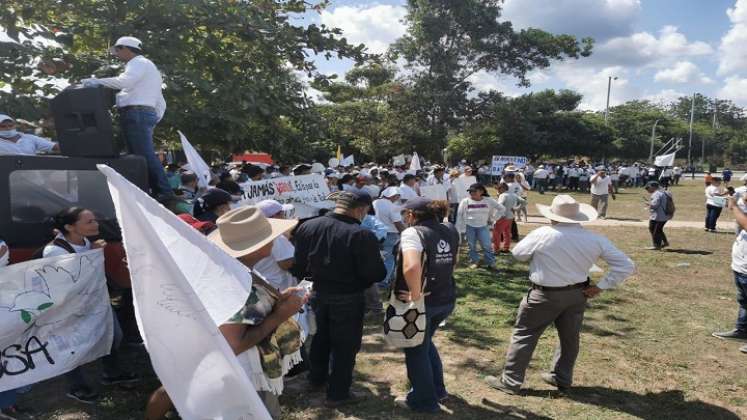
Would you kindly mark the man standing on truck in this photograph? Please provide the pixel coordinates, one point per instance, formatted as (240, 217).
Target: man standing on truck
(141, 106)
(13, 142)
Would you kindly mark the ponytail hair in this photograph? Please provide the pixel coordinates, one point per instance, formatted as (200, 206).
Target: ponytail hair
(66, 217)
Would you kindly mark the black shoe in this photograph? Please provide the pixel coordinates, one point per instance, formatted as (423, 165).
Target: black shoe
(731, 335)
(83, 394)
(122, 378)
(550, 379)
(497, 383)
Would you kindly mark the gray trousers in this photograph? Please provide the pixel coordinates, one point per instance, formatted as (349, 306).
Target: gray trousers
(599, 202)
(539, 309)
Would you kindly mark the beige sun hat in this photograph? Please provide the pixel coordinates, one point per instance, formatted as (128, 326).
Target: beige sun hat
(565, 209)
(244, 230)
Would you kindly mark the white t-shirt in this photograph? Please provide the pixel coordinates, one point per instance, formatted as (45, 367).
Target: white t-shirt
(540, 174)
(407, 192)
(282, 249)
(601, 185)
(388, 213)
(738, 253)
(28, 144)
(5, 258)
(410, 240)
(712, 198)
(54, 250)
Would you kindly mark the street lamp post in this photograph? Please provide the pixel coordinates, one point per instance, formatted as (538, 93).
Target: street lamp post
(653, 137)
(690, 141)
(609, 90)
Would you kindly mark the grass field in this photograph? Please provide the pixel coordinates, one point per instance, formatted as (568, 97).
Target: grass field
(646, 348)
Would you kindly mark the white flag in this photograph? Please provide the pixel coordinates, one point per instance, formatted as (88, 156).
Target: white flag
(415, 162)
(54, 316)
(196, 163)
(184, 287)
(665, 160)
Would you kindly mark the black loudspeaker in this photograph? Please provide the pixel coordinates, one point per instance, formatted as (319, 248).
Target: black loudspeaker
(83, 122)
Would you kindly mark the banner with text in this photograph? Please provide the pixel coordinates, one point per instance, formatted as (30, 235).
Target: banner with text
(310, 190)
(499, 162)
(54, 316)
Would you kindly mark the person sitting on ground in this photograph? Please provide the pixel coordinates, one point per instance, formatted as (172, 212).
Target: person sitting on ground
(440, 243)
(475, 216)
(75, 225)
(739, 267)
(14, 142)
(247, 235)
(212, 205)
(560, 258)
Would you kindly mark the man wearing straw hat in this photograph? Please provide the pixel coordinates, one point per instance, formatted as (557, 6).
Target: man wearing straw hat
(560, 257)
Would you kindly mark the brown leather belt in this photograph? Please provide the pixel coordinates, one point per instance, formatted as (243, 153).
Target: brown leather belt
(134, 107)
(583, 285)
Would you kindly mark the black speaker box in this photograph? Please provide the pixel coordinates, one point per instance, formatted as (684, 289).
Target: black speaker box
(83, 121)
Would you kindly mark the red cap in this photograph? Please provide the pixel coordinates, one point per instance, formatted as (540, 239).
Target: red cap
(203, 227)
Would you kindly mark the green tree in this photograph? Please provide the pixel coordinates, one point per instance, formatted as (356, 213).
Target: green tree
(229, 66)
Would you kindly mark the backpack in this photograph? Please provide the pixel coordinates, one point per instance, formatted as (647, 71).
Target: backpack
(669, 208)
(39, 253)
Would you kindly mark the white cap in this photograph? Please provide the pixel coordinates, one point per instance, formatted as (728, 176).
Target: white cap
(390, 192)
(4, 118)
(317, 168)
(272, 207)
(128, 41)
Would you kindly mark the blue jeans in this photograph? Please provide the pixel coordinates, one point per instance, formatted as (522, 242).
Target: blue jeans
(712, 214)
(741, 281)
(389, 255)
(137, 129)
(424, 368)
(480, 234)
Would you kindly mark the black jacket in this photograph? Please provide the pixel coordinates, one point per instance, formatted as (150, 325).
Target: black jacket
(338, 255)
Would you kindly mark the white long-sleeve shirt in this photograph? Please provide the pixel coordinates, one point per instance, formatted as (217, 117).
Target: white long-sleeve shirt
(477, 213)
(562, 254)
(139, 84)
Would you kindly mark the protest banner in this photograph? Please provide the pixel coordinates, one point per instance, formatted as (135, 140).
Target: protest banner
(500, 161)
(434, 192)
(664, 160)
(184, 287)
(54, 316)
(306, 192)
(196, 162)
(398, 160)
(461, 184)
(348, 161)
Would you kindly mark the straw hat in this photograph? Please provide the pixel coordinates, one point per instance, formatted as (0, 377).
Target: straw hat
(245, 230)
(565, 209)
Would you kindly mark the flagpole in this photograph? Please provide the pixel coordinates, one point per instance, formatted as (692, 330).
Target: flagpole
(690, 142)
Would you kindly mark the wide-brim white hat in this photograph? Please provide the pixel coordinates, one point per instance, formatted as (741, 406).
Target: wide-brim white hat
(244, 230)
(565, 209)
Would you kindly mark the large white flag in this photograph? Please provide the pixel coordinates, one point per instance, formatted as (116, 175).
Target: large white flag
(184, 287)
(196, 162)
(664, 160)
(415, 162)
(54, 316)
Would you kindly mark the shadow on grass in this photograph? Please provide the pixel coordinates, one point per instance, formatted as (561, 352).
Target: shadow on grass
(653, 405)
(688, 251)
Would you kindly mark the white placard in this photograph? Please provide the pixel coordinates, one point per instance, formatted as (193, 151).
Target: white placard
(310, 189)
(54, 316)
(434, 192)
(461, 184)
(499, 162)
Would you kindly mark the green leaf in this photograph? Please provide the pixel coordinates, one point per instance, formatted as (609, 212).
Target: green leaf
(44, 306)
(26, 316)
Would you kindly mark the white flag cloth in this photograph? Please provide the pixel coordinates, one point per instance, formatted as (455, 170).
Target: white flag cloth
(196, 162)
(415, 162)
(348, 161)
(184, 287)
(665, 160)
(54, 316)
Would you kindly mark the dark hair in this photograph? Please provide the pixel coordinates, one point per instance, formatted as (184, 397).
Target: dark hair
(65, 217)
(187, 178)
(136, 51)
(436, 209)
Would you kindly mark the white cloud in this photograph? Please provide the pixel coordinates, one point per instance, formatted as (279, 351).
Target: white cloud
(665, 96)
(592, 84)
(375, 26)
(732, 52)
(735, 89)
(601, 19)
(682, 72)
(643, 49)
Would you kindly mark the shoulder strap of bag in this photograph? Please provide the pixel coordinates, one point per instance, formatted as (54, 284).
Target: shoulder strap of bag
(64, 245)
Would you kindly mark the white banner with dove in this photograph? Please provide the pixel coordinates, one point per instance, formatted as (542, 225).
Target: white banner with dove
(54, 316)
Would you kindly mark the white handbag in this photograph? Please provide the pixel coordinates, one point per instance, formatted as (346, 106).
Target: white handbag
(405, 322)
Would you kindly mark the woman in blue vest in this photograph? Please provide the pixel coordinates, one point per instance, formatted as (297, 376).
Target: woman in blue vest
(440, 242)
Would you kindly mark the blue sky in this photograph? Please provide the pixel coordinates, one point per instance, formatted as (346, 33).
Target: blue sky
(658, 49)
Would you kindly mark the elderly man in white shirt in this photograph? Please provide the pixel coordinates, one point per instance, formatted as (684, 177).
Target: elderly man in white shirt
(13, 142)
(141, 106)
(560, 257)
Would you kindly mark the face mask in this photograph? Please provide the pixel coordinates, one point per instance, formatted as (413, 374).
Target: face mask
(8, 133)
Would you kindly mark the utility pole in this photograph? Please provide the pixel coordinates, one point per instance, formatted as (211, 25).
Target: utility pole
(609, 90)
(690, 142)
